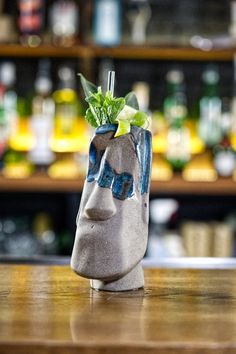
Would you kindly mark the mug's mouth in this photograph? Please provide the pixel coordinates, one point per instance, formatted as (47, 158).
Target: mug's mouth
(105, 128)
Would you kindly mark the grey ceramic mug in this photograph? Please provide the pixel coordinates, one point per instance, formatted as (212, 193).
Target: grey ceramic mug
(112, 222)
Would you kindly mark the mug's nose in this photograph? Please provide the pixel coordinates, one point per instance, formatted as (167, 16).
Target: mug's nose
(100, 205)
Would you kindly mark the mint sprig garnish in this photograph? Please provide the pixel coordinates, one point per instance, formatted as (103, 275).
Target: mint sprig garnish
(88, 86)
(104, 108)
(131, 100)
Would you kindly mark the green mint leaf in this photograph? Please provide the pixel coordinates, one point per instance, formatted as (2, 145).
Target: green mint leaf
(116, 107)
(140, 119)
(96, 99)
(131, 100)
(96, 104)
(90, 118)
(88, 86)
(103, 108)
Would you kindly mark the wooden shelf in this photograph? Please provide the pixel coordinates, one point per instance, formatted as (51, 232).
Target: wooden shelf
(121, 52)
(223, 186)
(17, 50)
(165, 53)
(42, 183)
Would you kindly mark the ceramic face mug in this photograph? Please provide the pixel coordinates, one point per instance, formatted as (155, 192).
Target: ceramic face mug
(112, 222)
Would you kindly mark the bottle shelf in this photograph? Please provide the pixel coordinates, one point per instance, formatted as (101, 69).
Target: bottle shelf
(17, 50)
(120, 52)
(42, 183)
(165, 53)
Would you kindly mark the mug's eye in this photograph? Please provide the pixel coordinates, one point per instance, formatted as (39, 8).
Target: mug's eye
(106, 176)
(123, 186)
(95, 157)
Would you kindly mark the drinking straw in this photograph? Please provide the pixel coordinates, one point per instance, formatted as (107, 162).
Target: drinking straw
(111, 81)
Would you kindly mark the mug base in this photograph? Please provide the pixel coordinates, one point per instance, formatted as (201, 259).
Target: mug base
(134, 280)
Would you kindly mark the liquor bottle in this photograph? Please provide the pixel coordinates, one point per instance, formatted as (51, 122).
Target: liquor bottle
(45, 235)
(175, 103)
(224, 158)
(22, 139)
(8, 79)
(42, 119)
(139, 14)
(19, 240)
(232, 133)
(107, 22)
(30, 21)
(142, 91)
(224, 154)
(210, 108)
(226, 116)
(64, 22)
(65, 137)
(232, 26)
(16, 165)
(175, 112)
(4, 131)
(7, 26)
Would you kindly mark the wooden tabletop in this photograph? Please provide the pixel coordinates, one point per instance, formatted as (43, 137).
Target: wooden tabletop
(48, 309)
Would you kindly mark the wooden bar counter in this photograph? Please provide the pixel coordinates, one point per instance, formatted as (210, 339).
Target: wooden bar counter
(48, 309)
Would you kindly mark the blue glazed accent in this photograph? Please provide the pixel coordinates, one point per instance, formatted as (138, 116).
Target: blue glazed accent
(103, 129)
(145, 162)
(123, 186)
(143, 148)
(106, 176)
(95, 157)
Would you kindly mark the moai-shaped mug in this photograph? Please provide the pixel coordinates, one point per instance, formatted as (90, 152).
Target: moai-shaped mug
(112, 222)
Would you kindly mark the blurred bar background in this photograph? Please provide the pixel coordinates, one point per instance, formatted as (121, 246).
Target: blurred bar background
(179, 58)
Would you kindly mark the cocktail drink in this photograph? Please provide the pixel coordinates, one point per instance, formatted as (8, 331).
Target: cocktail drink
(112, 222)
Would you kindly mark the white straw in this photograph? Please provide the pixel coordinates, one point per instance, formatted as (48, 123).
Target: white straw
(111, 81)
